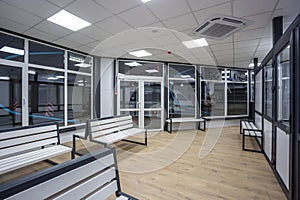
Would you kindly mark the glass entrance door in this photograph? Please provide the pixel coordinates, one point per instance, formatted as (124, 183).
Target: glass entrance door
(142, 99)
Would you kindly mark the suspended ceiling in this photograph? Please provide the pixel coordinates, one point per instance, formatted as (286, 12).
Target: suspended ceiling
(158, 26)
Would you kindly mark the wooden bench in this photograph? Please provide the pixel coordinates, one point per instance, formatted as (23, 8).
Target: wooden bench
(248, 129)
(92, 176)
(20, 147)
(200, 121)
(112, 129)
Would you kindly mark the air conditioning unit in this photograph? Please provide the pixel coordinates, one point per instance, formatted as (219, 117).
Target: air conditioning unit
(220, 26)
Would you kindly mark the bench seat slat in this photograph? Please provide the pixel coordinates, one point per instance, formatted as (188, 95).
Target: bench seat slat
(112, 130)
(88, 186)
(24, 147)
(112, 125)
(111, 120)
(15, 162)
(178, 120)
(111, 138)
(105, 192)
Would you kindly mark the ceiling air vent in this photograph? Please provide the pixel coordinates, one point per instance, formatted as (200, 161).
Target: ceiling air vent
(220, 27)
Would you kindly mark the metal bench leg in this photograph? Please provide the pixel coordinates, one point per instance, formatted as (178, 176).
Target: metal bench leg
(74, 148)
(136, 142)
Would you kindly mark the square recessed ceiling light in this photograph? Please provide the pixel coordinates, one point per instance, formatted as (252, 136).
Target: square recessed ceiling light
(144, 1)
(195, 43)
(84, 65)
(12, 50)
(185, 76)
(6, 78)
(252, 64)
(68, 20)
(133, 64)
(151, 71)
(140, 53)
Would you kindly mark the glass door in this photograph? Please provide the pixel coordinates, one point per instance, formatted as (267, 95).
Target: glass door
(142, 99)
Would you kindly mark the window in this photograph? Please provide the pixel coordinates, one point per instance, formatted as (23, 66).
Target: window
(11, 48)
(11, 96)
(46, 96)
(79, 98)
(140, 68)
(212, 73)
(41, 54)
(78, 62)
(268, 74)
(181, 91)
(283, 67)
(212, 98)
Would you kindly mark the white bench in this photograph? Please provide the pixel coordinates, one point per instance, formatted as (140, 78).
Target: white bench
(92, 176)
(200, 121)
(112, 129)
(248, 129)
(20, 147)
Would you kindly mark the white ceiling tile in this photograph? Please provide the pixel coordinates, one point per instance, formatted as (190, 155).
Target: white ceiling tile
(95, 33)
(264, 47)
(84, 48)
(157, 24)
(52, 28)
(94, 44)
(12, 13)
(165, 9)
(224, 41)
(66, 43)
(245, 50)
(260, 21)
(61, 3)
(41, 8)
(247, 43)
(88, 10)
(138, 17)
(117, 7)
(13, 26)
(246, 7)
(201, 4)
(40, 35)
(202, 15)
(248, 35)
(175, 47)
(181, 23)
(166, 39)
(222, 47)
(79, 38)
(113, 25)
(266, 41)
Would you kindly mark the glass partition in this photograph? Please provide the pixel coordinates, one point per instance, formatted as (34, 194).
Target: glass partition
(140, 68)
(11, 47)
(78, 62)
(283, 97)
(268, 75)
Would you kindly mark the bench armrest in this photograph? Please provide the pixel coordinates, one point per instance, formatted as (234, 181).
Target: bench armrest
(125, 195)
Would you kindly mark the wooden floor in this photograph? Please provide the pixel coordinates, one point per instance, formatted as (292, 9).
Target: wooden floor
(172, 166)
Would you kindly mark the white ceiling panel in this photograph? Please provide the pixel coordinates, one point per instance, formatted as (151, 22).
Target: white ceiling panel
(52, 28)
(222, 47)
(15, 14)
(181, 23)
(175, 47)
(247, 43)
(201, 4)
(264, 48)
(224, 9)
(41, 8)
(67, 43)
(113, 25)
(95, 33)
(290, 9)
(245, 50)
(260, 21)
(165, 9)
(138, 17)
(225, 40)
(266, 41)
(61, 3)
(40, 35)
(79, 38)
(157, 24)
(84, 48)
(88, 10)
(13, 26)
(120, 6)
(166, 40)
(246, 7)
(248, 35)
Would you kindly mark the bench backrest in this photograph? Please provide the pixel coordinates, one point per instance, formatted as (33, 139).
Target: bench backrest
(13, 141)
(92, 176)
(105, 126)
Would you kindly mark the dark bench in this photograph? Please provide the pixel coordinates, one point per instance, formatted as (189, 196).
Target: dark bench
(200, 121)
(248, 129)
(20, 147)
(92, 176)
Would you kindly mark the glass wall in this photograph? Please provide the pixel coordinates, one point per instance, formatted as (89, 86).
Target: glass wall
(11, 48)
(283, 97)
(268, 84)
(140, 68)
(11, 96)
(181, 91)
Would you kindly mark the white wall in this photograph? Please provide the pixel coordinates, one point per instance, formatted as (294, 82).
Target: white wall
(107, 87)
(268, 138)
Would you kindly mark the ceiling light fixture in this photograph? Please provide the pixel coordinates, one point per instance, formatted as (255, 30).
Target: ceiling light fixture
(12, 50)
(140, 53)
(52, 78)
(31, 72)
(133, 64)
(60, 77)
(84, 65)
(68, 20)
(252, 64)
(145, 1)
(6, 78)
(76, 59)
(185, 76)
(195, 43)
(150, 71)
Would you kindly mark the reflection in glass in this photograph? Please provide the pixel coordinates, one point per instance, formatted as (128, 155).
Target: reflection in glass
(79, 98)
(237, 75)
(210, 73)
(129, 94)
(140, 68)
(11, 48)
(11, 97)
(135, 117)
(283, 96)
(268, 73)
(212, 98)
(78, 62)
(46, 96)
(152, 119)
(152, 95)
(182, 71)
(237, 98)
